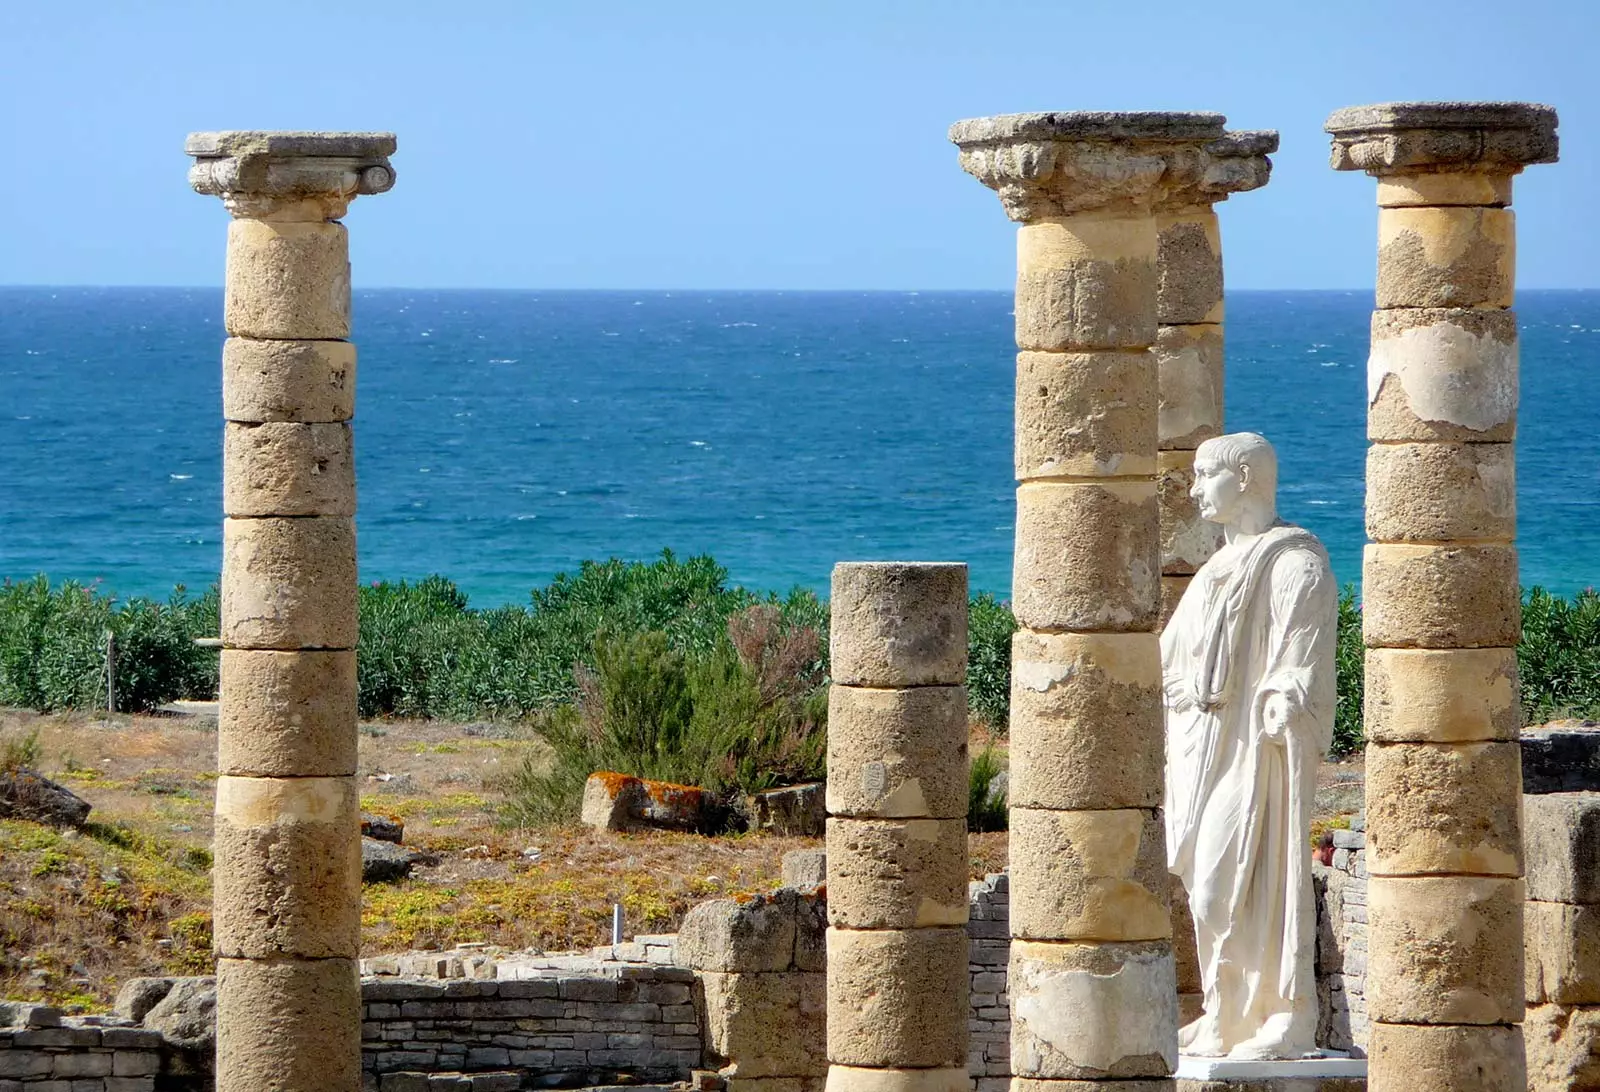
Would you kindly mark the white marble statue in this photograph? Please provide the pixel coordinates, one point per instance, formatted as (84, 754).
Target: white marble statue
(1248, 669)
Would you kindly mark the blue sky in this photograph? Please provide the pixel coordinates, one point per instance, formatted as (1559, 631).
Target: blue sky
(736, 145)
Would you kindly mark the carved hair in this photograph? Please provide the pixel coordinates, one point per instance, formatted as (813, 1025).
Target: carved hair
(1241, 449)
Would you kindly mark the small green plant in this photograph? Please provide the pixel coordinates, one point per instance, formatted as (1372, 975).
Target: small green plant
(990, 625)
(1350, 675)
(18, 751)
(1558, 660)
(986, 801)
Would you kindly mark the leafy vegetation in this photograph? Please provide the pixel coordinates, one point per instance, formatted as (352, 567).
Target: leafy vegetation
(986, 800)
(1350, 672)
(989, 628)
(1559, 657)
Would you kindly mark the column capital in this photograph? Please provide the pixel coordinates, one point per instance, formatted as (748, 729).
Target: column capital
(1438, 137)
(1061, 163)
(290, 175)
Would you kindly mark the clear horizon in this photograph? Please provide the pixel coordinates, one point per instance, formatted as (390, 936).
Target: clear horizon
(618, 143)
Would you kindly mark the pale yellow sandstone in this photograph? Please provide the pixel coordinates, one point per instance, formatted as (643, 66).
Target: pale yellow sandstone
(1086, 282)
(845, 1078)
(767, 1025)
(1444, 188)
(897, 998)
(1445, 950)
(1563, 1045)
(1441, 596)
(1087, 557)
(1561, 953)
(1085, 414)
(897, 873)
(287, 280)
(1445, 1058)
(304, 381)
(1441, 492)
(1086, 720)
(897, 754)
(1446, 257)
(1442, 374)
(1188, 266)
(288, 1025)
(288, 867)
(898, 624)
(1459, 695)
(289, 583)
(288, 469)
(1189, 378)
(287, 714)
(1088, 875)
(1444, 808)
(1092, 1011)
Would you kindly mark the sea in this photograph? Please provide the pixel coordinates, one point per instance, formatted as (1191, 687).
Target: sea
(505, 436)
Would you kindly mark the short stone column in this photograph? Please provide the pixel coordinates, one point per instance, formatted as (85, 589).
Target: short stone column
(288, 854)
(1092, 985)
(897, 829)
(1441, 602)
(1188, 345)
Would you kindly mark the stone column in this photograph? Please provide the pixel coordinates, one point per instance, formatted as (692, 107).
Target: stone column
(1441, 603)
(897, 829)
(1189, 344)
(1092, 986)
(288, 855)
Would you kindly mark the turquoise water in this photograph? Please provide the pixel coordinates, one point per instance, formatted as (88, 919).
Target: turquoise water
(505, 436)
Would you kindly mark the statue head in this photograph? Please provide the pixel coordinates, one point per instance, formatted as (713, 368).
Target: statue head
(1236, 482)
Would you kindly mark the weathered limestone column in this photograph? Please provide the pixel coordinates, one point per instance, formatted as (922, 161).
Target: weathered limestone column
(1441, 602)
(1189, 344)
(288, 854)
(1092, 985)
(897, 829)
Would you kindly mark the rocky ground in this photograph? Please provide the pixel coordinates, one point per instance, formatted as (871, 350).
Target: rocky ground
(128, 894)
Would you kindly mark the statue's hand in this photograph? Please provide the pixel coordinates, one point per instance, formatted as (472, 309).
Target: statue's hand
(1275, 717)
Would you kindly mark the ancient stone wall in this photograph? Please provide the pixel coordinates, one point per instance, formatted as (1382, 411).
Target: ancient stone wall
(1342, 943)
(49, 1053)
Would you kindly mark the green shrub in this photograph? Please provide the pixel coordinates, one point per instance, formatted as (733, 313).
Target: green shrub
(989, 629)
(745, 715)
(1349, 671)
(17, 751)
(986, 802)
(1558, 660)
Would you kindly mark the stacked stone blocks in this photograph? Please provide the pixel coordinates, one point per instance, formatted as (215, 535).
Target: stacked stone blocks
(40, 1051)
(1092, 980)
(897, 833)
(288, 856)
(1189, 346)
(1561, 837)
(1342, 944)
(761, 968)
(1441, 599)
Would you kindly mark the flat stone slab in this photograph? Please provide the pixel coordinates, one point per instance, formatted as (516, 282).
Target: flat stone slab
(289, 143)
(1561, 758)
(1090, 125)
(1331, 1064)
(1388, 116)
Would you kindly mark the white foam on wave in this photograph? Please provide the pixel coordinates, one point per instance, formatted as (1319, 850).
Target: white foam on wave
(180, 477)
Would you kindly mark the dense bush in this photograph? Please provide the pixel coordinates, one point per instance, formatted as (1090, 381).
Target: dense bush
(989, 628)
(1350, 672)
(986, 792)
(53, 647)
(745, 714)
(1559, 658)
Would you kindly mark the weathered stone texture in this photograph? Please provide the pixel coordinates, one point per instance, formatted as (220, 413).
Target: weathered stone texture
(288, 875)
(287, 714)
(1189, 366)
(1088, 875)
(1188, 266)
(289, 583)
(896, 998)
(287, 1026)
(1087, 557)
(1085, 414)
(288, 469)
(1561, 953)
(1441, 596)
(1439, 492)
(842, 1078)
(295, 381)
(1086, 728)
(1446, 950)
(1187, 541)
(1092, 1011)
(1437, 374)
(897, 754)
(1446, 257)
(897, 873)
(287, 281)
(1444, 808)
(767, 1025)
(1086, 282)
(1563, 1048)
(1460, 695)
(1448, 1058)
(899, 624)
(1561, 837)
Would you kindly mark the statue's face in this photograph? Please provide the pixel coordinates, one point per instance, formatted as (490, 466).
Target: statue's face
(1218, 490)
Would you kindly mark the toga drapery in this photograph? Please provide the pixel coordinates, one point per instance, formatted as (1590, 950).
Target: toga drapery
(1258, 620)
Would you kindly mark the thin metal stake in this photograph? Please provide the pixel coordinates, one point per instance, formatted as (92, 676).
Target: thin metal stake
(616, 923)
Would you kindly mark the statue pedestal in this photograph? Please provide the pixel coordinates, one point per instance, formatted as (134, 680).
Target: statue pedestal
(1332, 1072)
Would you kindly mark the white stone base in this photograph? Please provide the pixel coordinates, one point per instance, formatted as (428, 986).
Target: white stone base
(1330, 1064)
